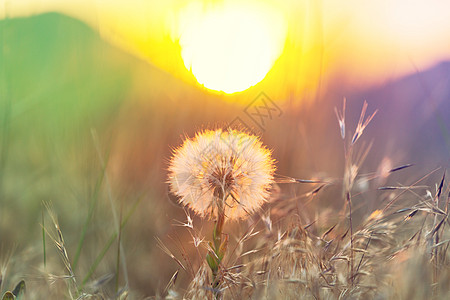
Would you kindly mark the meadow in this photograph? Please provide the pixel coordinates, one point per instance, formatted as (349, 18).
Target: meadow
(358, 208)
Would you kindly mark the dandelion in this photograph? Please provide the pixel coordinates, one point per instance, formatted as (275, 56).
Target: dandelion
(222, 171)
(221, 174)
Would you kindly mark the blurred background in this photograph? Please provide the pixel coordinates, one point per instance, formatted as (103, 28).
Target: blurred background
(94, 95)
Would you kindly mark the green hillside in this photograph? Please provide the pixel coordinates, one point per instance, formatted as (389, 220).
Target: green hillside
(58, 81)
(56, 72)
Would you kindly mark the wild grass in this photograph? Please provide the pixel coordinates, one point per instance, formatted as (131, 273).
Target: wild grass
(297, 247)
(292, 249)
(350, 236)
(396, 250)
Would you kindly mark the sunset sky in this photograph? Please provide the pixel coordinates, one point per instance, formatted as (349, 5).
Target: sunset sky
(360, 42)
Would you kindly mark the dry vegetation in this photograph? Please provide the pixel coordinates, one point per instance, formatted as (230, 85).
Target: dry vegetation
(396, 249)
(399, 250)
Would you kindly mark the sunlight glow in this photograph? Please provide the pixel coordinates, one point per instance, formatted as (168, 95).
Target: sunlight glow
(230, 48)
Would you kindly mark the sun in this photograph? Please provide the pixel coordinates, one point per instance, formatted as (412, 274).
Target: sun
(230, 48)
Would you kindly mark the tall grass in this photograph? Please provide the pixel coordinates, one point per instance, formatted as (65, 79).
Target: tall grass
(397, 250)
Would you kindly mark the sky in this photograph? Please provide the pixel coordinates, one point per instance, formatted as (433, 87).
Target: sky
(362, 43)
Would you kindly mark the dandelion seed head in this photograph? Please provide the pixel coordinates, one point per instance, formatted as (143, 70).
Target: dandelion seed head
(222, 169)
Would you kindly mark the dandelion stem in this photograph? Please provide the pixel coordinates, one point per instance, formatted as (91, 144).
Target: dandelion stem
(217, 237)
(217, 233)
(218, 245)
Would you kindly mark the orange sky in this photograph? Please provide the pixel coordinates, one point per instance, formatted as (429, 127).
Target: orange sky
(365, 42)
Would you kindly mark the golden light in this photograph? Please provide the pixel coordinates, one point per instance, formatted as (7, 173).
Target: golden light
(230, 45)
(230, 48)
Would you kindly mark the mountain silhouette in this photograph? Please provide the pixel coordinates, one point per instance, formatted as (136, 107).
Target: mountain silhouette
(414, 114)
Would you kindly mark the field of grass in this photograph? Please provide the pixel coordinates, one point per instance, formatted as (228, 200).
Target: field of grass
(86, 136)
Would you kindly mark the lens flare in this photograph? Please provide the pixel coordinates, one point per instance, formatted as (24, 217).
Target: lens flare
(231, 48)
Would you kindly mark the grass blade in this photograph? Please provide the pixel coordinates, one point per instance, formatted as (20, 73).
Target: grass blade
(105, 249)
(94, 200)
(43, 240)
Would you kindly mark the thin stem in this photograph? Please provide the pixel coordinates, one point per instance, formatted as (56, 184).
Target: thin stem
(219, 251)
(351, 236)
(218, 246)
(217, 233)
